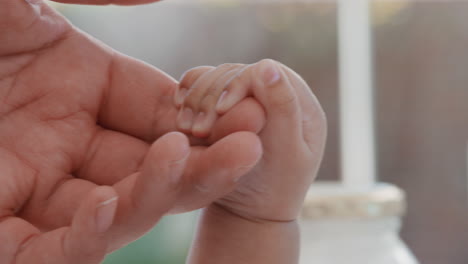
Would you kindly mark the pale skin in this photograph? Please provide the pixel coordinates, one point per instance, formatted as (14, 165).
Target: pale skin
(90, 159)
(257, 222)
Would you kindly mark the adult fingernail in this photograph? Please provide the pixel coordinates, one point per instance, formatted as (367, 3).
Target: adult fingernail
(223, 101)
(180, 96)
(186, 119)
(271, 75)
(176, 175)
(182, 159)
(105, 214)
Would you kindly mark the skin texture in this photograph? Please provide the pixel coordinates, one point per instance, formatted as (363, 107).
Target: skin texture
(256, 223)
(275, 188)
(88, 159)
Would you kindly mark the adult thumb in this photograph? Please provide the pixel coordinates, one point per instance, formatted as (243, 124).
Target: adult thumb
(82, 242)
(147, 195)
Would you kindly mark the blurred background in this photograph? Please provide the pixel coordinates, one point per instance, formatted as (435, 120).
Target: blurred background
(421, 81)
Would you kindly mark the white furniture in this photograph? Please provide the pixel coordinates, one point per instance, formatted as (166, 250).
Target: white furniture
(342, 226)
(356, 221)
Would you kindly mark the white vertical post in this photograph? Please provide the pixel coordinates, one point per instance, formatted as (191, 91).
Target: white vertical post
(358, 160)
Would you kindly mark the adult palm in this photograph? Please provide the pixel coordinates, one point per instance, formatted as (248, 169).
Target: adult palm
(76, 116)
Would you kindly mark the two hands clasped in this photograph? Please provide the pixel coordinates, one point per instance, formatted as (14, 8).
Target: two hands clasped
(96, 147)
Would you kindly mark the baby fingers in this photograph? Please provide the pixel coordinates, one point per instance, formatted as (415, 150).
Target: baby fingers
(197, 114)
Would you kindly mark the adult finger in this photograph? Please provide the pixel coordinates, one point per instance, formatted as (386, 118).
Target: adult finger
(147, 195)
(112, 156)
(213, 172)
(28, 26)
(248, 115)
(82, 242)
(138, 100)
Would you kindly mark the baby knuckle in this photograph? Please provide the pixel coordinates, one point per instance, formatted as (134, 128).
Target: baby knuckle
(209, 101)
(229, 65)
(221, 83)
(266, 63)
(284, 103)
(191, 101)
(239, 80)
(190, 76)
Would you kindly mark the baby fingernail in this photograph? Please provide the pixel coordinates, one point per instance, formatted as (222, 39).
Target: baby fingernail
(223, 101)
(105, 214)
(180, 96)
(271, 75)
(199, 122)
(186, 119)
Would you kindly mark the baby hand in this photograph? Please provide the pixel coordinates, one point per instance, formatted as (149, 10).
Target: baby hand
(293, 138)
(199, 91)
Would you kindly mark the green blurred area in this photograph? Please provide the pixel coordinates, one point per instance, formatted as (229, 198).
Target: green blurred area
(167, 243)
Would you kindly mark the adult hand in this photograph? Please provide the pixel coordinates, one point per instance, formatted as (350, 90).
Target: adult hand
(76, 116)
